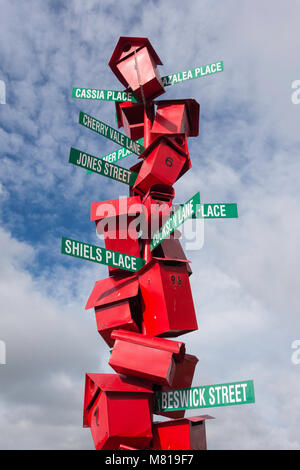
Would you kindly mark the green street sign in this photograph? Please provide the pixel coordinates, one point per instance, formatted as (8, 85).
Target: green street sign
(191, 74)
(101, 255)
(118, 154)
(215, 211)
(110, 133)
(95, 164)
(103, 95)
(207, 396)
(183, 213)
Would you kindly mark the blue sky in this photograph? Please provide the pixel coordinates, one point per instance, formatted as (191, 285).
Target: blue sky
(245, 278)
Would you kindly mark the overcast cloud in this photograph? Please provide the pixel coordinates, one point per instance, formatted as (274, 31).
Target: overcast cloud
(245, 278)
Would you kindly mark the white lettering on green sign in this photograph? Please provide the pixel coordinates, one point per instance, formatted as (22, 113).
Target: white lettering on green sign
(235, 393)
(95, 164)
(100, 255)
(183, 213)
(104, 95)
(216, 211)
(118, 154)
(191, 74)
(110, 133)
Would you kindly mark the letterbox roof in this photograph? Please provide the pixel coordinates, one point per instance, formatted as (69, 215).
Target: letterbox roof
(193, 112)
(174, 347)
(119, 383)
(112, 290)
(125, 47)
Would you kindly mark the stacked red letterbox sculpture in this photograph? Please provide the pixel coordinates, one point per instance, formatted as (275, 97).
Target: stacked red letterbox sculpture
(136, 314)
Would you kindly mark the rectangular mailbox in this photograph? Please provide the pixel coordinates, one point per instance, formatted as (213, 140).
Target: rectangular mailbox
(130, 116)
(167, 302)
(118, 411)
(134, 62)
(163, 161)
(180, 434)
(183, 378)
(152, 359)
(177, 116)
(116, 304)
(157, 206)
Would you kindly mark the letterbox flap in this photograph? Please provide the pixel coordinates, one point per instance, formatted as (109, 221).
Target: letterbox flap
(159, 140)
(123, 50)
(112, 290)
(119, 383)
(116, 207)
(193, 112)
(174, 347)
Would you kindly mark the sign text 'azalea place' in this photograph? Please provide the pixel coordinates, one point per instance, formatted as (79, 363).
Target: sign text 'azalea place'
(101, 255)
(184, 212)
(103, 95)
(207, 396)
(95, 164)
(191, 74)
(110, 133)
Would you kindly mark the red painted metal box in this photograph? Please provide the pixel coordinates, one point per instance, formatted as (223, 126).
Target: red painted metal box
(130, 116)
(177, 117)
(116, 306)
(115, 220)
(183, 378)
(163, 162)
(134, 62)
(180, 434)
(152, 359)
(167, 302)
(157, 206)
(118, 410)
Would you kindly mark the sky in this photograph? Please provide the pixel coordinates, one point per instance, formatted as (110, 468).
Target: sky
(245, 280)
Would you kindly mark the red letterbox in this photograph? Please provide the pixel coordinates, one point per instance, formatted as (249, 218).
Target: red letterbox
(130, 116)
(116, 306)
(157, 205)
(152, 359)
(163, 162)
(177, 117)
(118, 410)
(167, 302)
(134, 62)
(183, 378)
(115, 219)
(180, 434)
